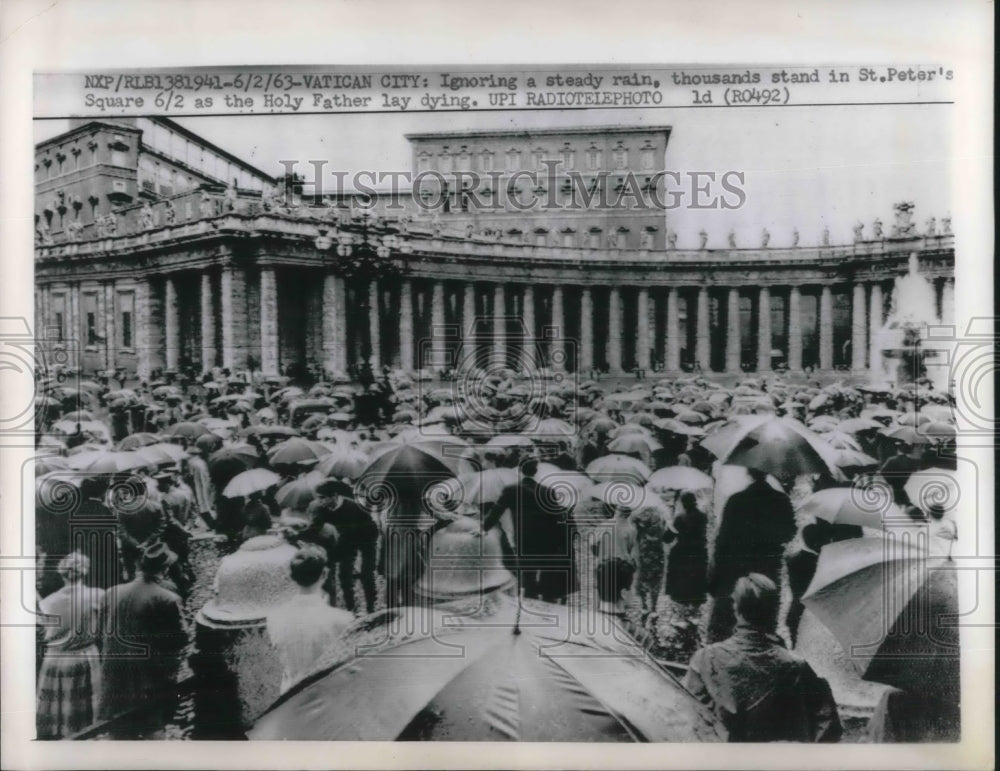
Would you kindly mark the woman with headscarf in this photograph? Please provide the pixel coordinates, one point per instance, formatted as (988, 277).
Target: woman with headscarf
(69, 682)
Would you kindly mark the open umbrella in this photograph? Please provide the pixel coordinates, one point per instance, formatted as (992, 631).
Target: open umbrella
(780, 446)
(908, 435)
(187, 429)
(892, 605)
(270, 432)
(226, 463)
(135, 441)
(48, 464)
(481, 486)
(106, 461)
(621, 468)
(298, 493)
(296, 450)
(856, 425)
(679, 478)
(161, 453)
(253, 481)
(641, 444)
(934, 487)
(864, 506)
(79, 415)
(550, 681)
(402, 474)
(344, 462)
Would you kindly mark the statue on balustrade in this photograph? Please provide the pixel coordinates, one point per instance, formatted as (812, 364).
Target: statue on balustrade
(946, 226)
(169, 213)
(903, 226)
(671, 239)
(74, 230)
(931, 227)
(111, 223)
(765, 238)
(44, 234)
(877, 230)
(147, 218)
(826, 236)
(231, 200)
(647, 240)
(731, 238)
(858, 228)
(795, 237)
(703, 235)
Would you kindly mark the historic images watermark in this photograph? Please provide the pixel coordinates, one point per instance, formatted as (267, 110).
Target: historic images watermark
(552, 187)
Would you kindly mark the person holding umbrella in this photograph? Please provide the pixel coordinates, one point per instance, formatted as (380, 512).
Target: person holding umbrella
(201, 483)
(687, 563)
(357, 533)
(755, 525)
(759, 690)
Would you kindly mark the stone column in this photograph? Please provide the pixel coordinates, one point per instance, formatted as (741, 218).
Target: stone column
(874, 328)
(406, 326)
(826, 328)
(702, 346)
(764, 330)
(233, 290)
(734, 345)
(794, 329)
(499, 356)
(76, 328)
(439, 354)
(110, 327)
(171, 323)
(586, 360)
(207, 323)
(270, 363)
(334, 328)
(859, 334)
(528, 357)
(145, 359)
(469, 328)
(557, 345)
(615, 331)
(374, 326)
(948, 302)
(673, 332)
(642, 357)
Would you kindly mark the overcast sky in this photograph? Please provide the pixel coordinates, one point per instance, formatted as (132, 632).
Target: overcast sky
(805, 167)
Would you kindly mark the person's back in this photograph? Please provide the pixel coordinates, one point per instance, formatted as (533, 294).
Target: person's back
(305, 627)
(756, 523)
(759, 690)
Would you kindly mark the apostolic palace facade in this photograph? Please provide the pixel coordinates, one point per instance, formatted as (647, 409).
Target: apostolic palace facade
(158, 251)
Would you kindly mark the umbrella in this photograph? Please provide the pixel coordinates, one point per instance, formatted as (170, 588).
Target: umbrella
(635, 443)
(690, 417)
(856, 425)
(940, 412)
(674, 426)
(79, 415)
(296, 450)
(938, 430)
(555, 478)
(106, 461)
(163, 452)
(298, 493)
(913, 418)
(226, 463)
(552, 681)
(888, 601)
(344, 462)
(620, 468)
(628, 428)
(270, 432)
(907, 435)
(65, 426)
(135, 441)
(841, 441)
(253, 481)
(188, 430)
(621, 494)
(848, 458)
(679, 478)
(48, 464)
(780, 446)
(934, 487)
(403, 473)
(509, 441)
(481, 486)
(864, 506)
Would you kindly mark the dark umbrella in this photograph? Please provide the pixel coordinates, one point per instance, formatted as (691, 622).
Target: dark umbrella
(296, 450)
(187, 429)
(546, 682)
(226, 463)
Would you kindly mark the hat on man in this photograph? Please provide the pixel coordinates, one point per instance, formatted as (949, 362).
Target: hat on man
(330, 487)
(156, 557)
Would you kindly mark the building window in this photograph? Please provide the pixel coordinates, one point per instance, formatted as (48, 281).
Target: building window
(568, 157)
(91, 328)
(126, 329)
(647, 156)
(126, 305)
(620, 156)
(513, 160)
(537, 156)
(445, 164)
(60, 336)
(487, 161)
(594, 159)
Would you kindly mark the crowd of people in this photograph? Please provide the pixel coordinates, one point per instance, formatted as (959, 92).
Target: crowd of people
(626, 496)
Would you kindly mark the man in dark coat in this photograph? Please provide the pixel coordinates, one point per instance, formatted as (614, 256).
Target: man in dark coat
(759, 690)
(541, 544)
(143, 637)
(357, 533)
(756, 524)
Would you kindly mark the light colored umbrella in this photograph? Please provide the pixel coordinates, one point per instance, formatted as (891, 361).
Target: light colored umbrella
(864, 506)
(253, 481)
(674, 478)
(621, 468)
(856, 425)
(343, 462)
(641, 444)
(937, 487)
(106, 461)
(160, 453)
(481, 486)
(299, 493)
